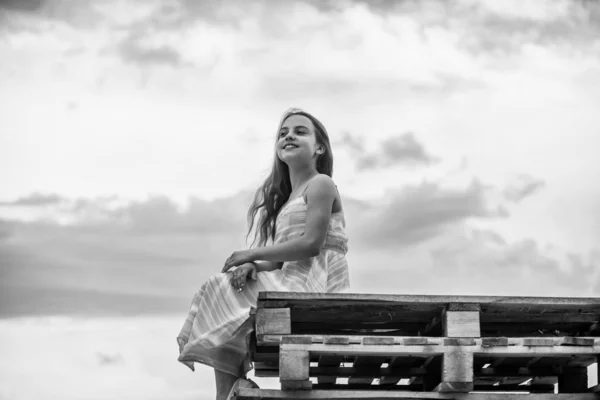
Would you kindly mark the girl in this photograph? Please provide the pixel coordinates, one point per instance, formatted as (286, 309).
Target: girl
(301, 213)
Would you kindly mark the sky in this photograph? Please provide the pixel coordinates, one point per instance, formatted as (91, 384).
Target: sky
(133, 136)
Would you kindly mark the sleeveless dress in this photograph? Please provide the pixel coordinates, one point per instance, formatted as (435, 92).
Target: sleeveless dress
(217, 327)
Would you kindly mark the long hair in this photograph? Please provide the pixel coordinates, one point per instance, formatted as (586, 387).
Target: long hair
(276, 189)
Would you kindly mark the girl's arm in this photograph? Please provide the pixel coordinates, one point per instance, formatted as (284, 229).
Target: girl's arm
(320, 196)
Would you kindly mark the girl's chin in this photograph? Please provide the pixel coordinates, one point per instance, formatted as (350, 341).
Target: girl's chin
(293, 158)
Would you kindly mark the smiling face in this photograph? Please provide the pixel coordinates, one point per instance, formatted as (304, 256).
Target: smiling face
(297, 139)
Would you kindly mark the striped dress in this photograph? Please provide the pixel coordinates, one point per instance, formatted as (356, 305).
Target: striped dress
(217, 327)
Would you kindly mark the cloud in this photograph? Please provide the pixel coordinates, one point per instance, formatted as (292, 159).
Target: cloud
(495, 265)
(134, 51)
(28, 14)
(416, 214)
(6, 229)
(21, 5)
(403, 149)
(115, 257)
(466, 260)
(101, 256)
(523, 186)
(109, 359)
(35, 199)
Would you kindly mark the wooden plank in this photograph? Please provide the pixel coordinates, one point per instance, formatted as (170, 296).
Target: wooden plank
(573, 380)
(359, 325)
(275, 340)
(457, 371)
(366, 367)
(544, 380)
(401, 363)
(500, 316)
(296, 339)
(416, 341)
(266, 369)
(439, 299)
(461, 323)
(273, 321)
(453, 387)
(518, 371)
(293, 364)
(475, 307)
(513, 380)
(348, 372)
(539, 342)
(494, 341)
(516, 350)
(327, 361)
(365, 386)
(340, 340)
(507, 387)
(296, 385)
(576, 341)
(459, 341)
(271, 394)
(378, 340)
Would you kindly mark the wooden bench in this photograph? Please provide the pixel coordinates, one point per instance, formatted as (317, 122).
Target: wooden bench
(333, 345)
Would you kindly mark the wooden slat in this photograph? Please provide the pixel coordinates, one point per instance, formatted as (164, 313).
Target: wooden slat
(328, 361)
(459, 341)
(428, 350)
(524, 301)
(417, 315)
(365, 386)
(367, 366)
(273, 321)
(293, 364)
(398, 362)
(577, 341)
(573, 380)
(348, 372)
(518, 371)
(515, 387)
(461, 324)
(512, 380)
(457, 371)
(494, 341)
(270, 394)
(482, 345)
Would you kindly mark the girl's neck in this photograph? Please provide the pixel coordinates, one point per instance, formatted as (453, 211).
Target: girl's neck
(299, 178)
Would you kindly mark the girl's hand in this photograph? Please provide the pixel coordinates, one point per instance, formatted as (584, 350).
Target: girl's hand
(240, 275)
(237, 258)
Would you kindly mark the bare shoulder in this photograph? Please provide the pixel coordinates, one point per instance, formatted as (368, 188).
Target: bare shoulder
(321, 192)
(321, 184)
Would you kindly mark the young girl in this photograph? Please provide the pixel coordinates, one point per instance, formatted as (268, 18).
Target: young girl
(301, 213)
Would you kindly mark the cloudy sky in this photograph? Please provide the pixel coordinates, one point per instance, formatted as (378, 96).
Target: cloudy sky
(133, 135)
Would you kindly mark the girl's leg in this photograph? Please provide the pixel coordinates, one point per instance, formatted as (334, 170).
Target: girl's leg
(224, 382)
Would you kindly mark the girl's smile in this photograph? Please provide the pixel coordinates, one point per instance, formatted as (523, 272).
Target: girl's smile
(297, 133)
